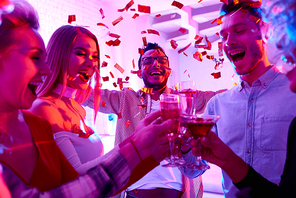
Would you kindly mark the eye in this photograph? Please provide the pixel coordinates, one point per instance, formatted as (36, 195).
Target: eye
(80, 53)
(96, 58)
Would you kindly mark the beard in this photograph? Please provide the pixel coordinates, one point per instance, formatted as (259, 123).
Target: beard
(155, 86)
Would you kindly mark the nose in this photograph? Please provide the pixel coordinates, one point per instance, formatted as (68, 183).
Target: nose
(231, 40)
(155, 63)
(89, 61)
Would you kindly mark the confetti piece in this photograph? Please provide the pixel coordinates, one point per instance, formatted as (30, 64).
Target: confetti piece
(102, 13)
(158, 15)
(185, 54)
(209, 44)
(105, 78)
(141, 106)
(141, 51)
(129, 5)
(210, 57)
(107, 56)
(116, 21)
(185, 71)
(224, 1)
(142, 100)
(199, 1)
(151, 31)
(114, 84)
(121, 87)
(198, 39)
(177, 4)
(135, 72)
(121, 10)
(253, 18)
(235, 2)
(204, 53)
(174, 44)
(103, 104)
(114, 35)
(188, 75)
(216, 75)
(183, 49)
(220, 51)
(119, 81)
(143, 32)
(113, 43)
(133, 62)
(197, 55)
(127, 78)
(102, 24)
(119, 115)
(147, 90)
(71, 18)
(144, 9)
(119, 68)
(144, 41)
(111, 74)
(127, 124)
(132, 9)
(183, 30)
(135, 15)
(104, 64)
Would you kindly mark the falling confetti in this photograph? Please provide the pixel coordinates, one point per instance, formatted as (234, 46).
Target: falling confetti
(102, 13)
(135, 15)
(116, 21)
(141, 51)
(127, 124)
(144, 9)
(102, 24)
(151, 31)
(119, 68)
(107, 56)
(106, 78)
(220, 51)
(144, 41)
(103, 104)
(216, 75)
(183, 49)
(114, 35)
(133, 62)
(197, 55)
(174, 44)
(158, 15)
(104, 64)
(135, 72)
(183, 30)
(71, 18)
(111, 74)
(119, 115)
(177, 4)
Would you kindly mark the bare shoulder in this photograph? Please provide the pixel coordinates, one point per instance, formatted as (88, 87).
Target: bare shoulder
(44, 107)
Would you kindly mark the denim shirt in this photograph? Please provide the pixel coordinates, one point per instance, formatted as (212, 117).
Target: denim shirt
(254, 124)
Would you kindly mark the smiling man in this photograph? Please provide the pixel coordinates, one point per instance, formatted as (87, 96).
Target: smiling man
(253, 112)
(132, 106)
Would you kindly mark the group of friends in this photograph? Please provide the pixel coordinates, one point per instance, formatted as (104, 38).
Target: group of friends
(48, 150)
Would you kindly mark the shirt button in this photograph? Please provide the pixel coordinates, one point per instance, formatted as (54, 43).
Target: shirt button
(249, 125)
(248, 151)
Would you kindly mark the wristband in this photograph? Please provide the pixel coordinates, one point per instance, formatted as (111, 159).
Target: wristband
(131, 141)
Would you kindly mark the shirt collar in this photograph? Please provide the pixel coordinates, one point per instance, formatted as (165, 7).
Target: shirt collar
(264, 80)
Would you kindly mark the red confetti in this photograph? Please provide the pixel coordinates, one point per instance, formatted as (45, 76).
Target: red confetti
(220, 51)
(119, 81)
(107, 56)
(119, 115)
(253, 18)
(135, 72)
(133, 62)
(183, 30)
(71, 18)
(114, 84)
(120, 87)
(104, 64)
(102, 24)
(127, 123)
(217, 33)
(185, 71)
(177, 4)
(188, 75)
(111, 74)
(119, 68)
(121, 10)
(209, 46)
(216, 75)
(129, 5)
(141, 51)
(198, 39)
(210, 57)
(102, 13)
(185, 54)
(116, 21)
(144, 41)
(130, 89)
(199, 1)
(113, 43)
(141, 106)
(144, 9)
(197, 56)
(114, 35)
(103, 104)
(127, 78)
(4, 3)
(174, 44)
(143, 32)
(151, 31)
(105, 78)
(132, 9)
(158, 15)
(135, 15)
(183, 49)
(204, 53)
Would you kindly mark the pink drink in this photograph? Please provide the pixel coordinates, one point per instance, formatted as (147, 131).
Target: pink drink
(171, 110)
(199, 126)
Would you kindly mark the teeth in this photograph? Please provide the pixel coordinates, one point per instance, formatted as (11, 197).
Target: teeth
(236, 52)
(152, 73)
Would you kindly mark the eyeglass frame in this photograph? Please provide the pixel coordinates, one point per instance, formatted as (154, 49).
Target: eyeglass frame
(155, 58)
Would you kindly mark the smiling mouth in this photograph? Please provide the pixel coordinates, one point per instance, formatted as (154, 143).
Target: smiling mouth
(33, 87)
(237, 56)
(155, 73)
(84, 76)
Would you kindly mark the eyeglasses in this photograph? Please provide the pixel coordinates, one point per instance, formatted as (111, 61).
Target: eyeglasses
(159, 59)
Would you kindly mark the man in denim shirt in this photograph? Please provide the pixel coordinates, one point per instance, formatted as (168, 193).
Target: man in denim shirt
(255, 114)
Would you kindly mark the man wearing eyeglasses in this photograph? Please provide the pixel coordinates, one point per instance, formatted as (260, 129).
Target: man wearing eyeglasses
(131, 107)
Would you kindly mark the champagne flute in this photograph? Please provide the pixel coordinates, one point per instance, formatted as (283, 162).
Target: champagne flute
(199, 126)
(170, 108)
(187, 93)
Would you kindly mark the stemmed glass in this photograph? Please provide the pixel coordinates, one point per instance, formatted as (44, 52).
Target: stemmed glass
(170, 108)
(199, 126)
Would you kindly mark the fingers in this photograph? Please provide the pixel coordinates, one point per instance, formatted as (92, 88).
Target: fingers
(151, 117)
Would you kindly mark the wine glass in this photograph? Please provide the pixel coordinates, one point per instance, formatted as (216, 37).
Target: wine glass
(199, 126)
(170, 108)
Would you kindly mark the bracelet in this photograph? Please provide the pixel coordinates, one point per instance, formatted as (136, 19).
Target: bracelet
(131, 141)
